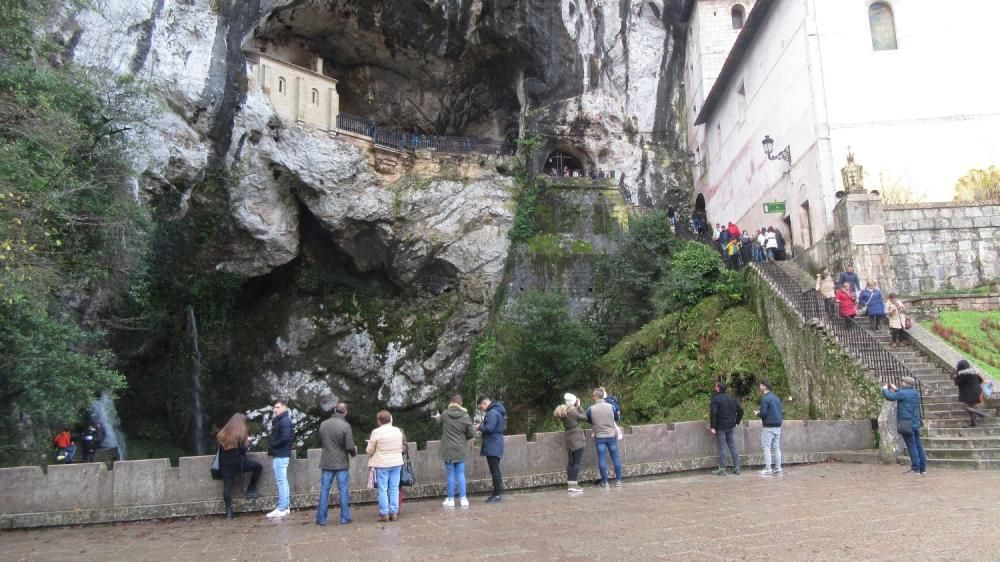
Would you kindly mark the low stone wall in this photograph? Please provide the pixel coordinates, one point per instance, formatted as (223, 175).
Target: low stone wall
(943, 245)
(931, 307)
(147, 489)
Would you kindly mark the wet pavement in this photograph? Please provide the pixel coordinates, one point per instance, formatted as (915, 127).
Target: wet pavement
(818, 512)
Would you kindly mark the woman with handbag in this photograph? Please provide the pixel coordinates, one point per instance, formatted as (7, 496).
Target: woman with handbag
(908, 421)
(970, 390)
(385, 454)
(571, 414)
(896, 313)
(845, 302)
(234, 441)
(872, 304)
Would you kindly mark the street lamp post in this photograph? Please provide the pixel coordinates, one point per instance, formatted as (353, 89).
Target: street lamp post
(785, 154)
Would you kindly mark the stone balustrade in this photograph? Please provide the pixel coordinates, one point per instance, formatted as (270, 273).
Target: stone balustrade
(147, 489)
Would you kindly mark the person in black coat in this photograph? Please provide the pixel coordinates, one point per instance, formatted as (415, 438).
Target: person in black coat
(280, 441)
(234, 441)
(970, 390)
(726, 414)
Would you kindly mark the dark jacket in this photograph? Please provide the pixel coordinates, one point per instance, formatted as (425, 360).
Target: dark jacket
(873, 302)
(492, 428)
(282, 436)
(575, 439)
(909, 404)
(970, 386)
(337, 440)
(849, 277)
(770, 410)
(726, 412)
(456, 430)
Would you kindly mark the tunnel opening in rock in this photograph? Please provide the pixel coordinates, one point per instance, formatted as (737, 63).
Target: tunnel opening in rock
(561, 163)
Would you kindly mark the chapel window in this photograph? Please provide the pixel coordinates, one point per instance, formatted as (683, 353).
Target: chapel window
(281, 86)
(738, 14)
(883, 26)
(315, 96)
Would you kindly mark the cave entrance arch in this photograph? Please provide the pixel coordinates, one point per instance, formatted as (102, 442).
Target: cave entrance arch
(562, 164)
(699, 218)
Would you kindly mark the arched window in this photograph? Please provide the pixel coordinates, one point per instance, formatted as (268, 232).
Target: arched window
(315, 96)
(281, 85)
(739, 14)
(883, 26)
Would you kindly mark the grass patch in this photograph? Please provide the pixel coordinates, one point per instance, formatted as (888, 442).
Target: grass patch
(976, 334)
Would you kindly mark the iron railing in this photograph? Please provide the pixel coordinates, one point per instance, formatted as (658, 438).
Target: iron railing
(399, 140)
(848, 332)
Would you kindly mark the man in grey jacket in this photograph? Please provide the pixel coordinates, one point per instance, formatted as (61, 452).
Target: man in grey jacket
(601, 416)
(337, 440)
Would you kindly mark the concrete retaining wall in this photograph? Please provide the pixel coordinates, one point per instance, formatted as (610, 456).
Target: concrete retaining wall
(147, 489)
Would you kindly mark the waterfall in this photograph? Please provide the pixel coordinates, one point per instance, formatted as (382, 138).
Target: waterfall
(103, 410)
(196, 389)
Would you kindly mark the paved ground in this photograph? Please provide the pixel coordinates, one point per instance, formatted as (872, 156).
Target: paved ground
(820, 512)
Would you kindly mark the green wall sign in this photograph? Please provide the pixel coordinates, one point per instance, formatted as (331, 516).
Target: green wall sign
(776, 207)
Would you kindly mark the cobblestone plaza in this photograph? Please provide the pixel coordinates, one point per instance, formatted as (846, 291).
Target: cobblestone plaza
(818, 512)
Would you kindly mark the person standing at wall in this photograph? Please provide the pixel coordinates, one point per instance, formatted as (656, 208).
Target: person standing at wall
(385, 454)
(771, 244)
(337, 441)
(90, 443)
(601, 416)
(726, 413)
(908, 421)
(65, 449)
(456, 430)
(492, 428)
(280, 450)
(234, 442)
(571, 414)
(770, 414)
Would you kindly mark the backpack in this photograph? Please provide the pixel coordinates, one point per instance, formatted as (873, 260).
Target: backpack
(614, 406)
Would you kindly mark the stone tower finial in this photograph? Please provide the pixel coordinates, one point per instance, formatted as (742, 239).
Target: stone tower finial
(852, 174)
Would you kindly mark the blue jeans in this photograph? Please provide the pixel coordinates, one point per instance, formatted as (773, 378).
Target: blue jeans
(770, 441)
(388, 489)
(455, 471)
(280, 467)
(918, 459)
(325, 483)
(609, 444)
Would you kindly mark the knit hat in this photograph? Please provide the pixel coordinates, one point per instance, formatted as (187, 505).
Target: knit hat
(570, 399)
(908, 381)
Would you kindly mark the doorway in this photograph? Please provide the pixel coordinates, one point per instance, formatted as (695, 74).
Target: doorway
(790, 243)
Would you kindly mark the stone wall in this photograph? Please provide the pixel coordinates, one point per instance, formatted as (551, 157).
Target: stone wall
(146, 489)
(943, 245)
(820, 373)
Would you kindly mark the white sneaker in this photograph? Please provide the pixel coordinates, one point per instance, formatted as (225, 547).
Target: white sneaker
(575, 490)
(278, 513)
(766, 472)
(464, 502)
(449, 502)
(778, 471)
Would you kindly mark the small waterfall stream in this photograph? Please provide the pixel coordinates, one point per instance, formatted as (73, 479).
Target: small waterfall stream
(196, 387)
(103, 410)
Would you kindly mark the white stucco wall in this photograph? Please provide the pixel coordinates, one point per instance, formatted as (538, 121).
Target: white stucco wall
(919, 116)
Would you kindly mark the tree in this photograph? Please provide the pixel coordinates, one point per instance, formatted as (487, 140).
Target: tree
(979, 185)
(894, 192)
(696, 272)
(539, 351)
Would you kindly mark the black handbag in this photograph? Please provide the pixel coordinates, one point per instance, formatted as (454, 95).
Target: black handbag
(406, 476)
(905, 427)
(216, 473)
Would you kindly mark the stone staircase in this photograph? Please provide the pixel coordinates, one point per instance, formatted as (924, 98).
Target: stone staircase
(947, 439)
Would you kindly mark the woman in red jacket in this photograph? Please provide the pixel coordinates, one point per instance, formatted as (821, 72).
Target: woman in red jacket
(845, 302)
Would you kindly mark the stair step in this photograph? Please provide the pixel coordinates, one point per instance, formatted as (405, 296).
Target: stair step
(992, 453)
(988, 442)
(991, 464)
(958, 423)
(978, 432)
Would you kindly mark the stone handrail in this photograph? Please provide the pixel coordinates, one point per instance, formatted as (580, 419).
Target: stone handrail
(398, 140)
(146, 489)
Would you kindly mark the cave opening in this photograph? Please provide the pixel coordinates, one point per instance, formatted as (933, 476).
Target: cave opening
(560, 163)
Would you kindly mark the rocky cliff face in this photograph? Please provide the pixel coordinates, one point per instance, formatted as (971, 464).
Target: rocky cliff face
(598, 79)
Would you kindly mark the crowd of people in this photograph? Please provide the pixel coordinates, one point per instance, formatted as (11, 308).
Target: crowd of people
(847, 299)
(65, 443)
(739, 248)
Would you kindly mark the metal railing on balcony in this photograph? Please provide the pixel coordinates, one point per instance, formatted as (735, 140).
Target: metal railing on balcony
(856, 340)
(399, 140)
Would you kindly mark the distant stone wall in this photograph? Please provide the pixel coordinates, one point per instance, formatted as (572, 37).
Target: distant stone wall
(943, 245)
(147, 489)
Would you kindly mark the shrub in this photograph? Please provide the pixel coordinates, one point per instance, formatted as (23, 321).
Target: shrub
(696, 272)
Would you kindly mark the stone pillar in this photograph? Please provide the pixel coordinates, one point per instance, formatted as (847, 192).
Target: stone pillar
(859, 223)
(301, 99)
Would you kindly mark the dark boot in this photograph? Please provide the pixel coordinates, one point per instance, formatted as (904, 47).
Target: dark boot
(251, 493)
(229, 512)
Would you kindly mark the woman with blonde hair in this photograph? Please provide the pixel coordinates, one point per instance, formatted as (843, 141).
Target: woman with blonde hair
(234, 442)
(571, 414)
(385, 454)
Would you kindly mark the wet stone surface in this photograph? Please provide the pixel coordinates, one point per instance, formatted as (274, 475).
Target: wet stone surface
(817, 512)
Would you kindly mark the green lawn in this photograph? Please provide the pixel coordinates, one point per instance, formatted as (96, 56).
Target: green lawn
(975, 334)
